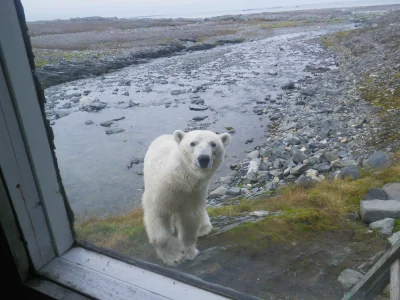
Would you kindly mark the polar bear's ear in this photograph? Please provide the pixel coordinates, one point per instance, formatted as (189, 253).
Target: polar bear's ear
(178, 135)
(225, 138)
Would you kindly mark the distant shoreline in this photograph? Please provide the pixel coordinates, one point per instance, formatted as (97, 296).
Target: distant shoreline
(239, 12)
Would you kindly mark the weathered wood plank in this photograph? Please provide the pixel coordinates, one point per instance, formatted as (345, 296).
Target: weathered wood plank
(377, 278)
(94, 284)
(135, 276)
(395, 280)
(53, 290)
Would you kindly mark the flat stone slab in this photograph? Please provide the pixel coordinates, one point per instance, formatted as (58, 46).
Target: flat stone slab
(375, 210)
(393, 190)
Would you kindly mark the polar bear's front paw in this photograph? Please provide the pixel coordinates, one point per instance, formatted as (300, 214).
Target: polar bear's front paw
(191, 252)
(172, 252)
(204, 230)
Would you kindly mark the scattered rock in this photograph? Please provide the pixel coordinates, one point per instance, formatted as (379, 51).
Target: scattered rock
(198, 107)
(378, 160)
(89, 122)
(125, 94)
(253, 154)
(298, 157)
(384, 226)
(235, 191)
(393, 190)
(199, 118)
(379, 194)
(218, 192)
(348, 278)
(259, 213)
(375, 210)
(349, 172)
(114, 130)
(298, 170)
(118, 118)
(290, 85)
(106, 123)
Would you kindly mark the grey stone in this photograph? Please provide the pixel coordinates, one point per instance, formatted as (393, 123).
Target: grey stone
(277, 163)
(89, 122)
(324, 168)
(61, 113)
(218, 192)
(251, 175)
(353, 216)
(298, 156)
(328, 157)
(253, 154)
(357, 122)
(304, 181)
(348, 278)
(96, 106)
(269, 186)
(197, 107)
(235, 191)
(259, 213)
(147, 89)
(379, 194)
(341, 163)
(118, 118)
(298, 169)
(276, 173)
(394, 238)
(262, 176)
(339, 109)
(311, 161)
(125, 94)
(106, 123)
(384, 226)
(114, 130)
(393, 190)
(292, 140)
(379, 160)
(290, 85)
(375, 210)
(199, 118)
(349, 172)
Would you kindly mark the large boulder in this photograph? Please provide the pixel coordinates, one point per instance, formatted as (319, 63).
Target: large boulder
(375, 210)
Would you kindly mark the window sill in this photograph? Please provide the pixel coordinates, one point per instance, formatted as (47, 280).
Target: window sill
(102, 277)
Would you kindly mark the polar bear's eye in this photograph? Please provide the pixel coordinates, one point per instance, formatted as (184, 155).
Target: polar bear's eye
(192, 144)
(213, 144)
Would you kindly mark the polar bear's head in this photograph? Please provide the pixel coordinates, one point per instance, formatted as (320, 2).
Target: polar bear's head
(202, 149)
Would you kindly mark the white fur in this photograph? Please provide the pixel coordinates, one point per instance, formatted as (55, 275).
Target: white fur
(176, 190)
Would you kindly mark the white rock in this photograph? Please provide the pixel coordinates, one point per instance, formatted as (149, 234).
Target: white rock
(348, 278)
(384, 226)
(259, 213)
(253, 154)
(218, 192)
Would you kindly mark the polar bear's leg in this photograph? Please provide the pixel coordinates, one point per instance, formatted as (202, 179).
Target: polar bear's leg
(188, 225)
(206, 226)
(159, 230)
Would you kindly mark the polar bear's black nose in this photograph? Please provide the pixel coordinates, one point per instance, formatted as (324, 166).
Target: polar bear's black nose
(204, 160)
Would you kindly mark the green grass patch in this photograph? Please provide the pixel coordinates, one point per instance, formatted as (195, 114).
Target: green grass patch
(273, 25)
(396, 225)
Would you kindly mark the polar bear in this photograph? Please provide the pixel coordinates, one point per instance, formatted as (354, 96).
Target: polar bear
(177, 171)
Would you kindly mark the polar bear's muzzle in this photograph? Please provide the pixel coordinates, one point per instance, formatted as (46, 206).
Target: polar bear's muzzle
(203, 161)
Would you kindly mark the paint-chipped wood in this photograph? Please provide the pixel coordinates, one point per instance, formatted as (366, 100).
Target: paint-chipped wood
(395, 280)
(37, 147)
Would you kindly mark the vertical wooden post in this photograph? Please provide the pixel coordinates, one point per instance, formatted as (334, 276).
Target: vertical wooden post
(395, 280)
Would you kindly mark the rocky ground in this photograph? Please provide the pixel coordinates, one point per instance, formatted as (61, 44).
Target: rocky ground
(304, 101)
